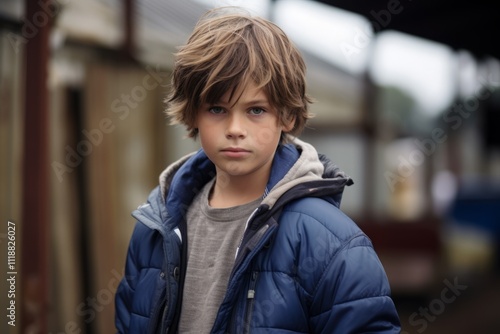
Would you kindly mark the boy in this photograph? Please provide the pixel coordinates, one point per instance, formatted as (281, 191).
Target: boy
(245, 235)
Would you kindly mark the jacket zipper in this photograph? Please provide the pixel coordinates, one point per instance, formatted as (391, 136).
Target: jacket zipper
(254, 212)
(237, 271)
(250, 301)
(243, 257)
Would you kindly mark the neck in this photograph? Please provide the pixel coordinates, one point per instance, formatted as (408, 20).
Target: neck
(232, 191)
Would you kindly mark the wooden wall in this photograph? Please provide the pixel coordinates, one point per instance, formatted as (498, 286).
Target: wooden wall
(10, 159)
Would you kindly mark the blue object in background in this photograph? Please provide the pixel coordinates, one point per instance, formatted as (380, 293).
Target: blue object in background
(477, 204)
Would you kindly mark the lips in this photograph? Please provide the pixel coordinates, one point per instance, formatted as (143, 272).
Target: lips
(234, 149)
(235, 152)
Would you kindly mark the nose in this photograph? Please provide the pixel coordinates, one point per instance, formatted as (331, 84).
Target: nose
(235, 126)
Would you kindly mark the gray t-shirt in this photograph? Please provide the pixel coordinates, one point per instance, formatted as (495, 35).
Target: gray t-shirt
(213, 236)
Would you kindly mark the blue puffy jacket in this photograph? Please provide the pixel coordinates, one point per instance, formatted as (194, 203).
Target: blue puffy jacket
(303, 266)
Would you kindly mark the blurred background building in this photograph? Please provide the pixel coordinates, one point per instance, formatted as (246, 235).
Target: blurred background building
(407, 103)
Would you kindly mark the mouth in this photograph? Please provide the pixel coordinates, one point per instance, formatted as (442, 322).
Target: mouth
(234, 152)
(234, 149)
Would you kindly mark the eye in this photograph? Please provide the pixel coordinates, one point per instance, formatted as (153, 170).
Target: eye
(256, 111)
(216, 110)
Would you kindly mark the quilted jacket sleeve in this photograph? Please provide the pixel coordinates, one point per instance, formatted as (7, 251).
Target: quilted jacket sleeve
(353, 294)
(126, 289)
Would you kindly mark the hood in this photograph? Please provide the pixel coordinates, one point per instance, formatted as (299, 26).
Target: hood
(311, 174)
(296, 166)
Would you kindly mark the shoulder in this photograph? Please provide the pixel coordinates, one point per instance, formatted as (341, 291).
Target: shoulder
(323, 244)
(322, 219)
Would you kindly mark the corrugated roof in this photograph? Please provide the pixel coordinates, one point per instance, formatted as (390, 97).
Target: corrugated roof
(162, 25)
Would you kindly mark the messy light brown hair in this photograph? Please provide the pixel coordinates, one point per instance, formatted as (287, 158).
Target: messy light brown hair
(227, 49)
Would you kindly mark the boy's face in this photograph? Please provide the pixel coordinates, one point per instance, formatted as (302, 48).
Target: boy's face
(240, 137)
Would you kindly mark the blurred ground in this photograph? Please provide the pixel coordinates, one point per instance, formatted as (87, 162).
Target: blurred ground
(475, 311)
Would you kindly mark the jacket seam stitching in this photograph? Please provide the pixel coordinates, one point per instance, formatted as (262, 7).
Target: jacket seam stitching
(350, 301)
(334, 255)
(288, 210)
(361, 298)
(359, 234)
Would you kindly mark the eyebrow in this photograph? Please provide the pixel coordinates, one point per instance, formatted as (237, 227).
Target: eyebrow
(256, 102)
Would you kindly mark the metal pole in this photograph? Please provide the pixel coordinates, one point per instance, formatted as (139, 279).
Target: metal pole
(35, 226)
(129, 43)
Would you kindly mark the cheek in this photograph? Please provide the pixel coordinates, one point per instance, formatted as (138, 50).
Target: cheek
(208, 136)
(202, 125)
(267, 136)
(204, 138)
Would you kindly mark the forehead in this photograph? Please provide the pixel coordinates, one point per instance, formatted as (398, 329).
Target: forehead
(249, 92)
